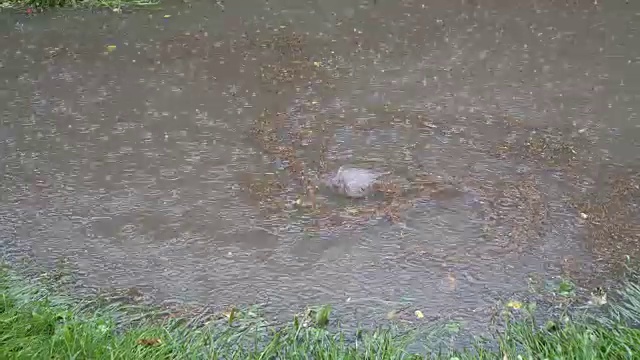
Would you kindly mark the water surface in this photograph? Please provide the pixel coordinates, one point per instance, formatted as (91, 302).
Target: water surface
(163, 149)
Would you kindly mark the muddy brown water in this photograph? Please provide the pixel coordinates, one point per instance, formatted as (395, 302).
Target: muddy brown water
(129, 145)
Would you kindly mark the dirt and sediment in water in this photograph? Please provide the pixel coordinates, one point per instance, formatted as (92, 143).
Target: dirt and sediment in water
(176, 151)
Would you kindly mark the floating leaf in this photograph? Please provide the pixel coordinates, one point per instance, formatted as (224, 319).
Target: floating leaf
(110, 48)
(516, 305)
(419, 314)
(167, 16)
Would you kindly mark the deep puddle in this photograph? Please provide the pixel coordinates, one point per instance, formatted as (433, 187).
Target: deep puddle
(166, 150)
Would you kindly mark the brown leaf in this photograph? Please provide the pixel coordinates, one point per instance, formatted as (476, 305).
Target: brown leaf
(149, 341)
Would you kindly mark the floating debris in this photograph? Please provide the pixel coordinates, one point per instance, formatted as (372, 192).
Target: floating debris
(354, 182)
(514, 304)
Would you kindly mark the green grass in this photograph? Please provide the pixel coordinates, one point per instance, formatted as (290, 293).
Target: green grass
(39, 323)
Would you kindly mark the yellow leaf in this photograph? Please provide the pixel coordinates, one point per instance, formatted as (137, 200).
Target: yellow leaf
(167, 16)
(110, 48)
(514, 304)
(419, 314)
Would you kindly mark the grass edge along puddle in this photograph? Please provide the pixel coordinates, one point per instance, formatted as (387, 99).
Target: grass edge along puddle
(38, 321)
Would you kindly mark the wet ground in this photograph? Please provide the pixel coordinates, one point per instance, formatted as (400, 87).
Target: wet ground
(177, 151)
